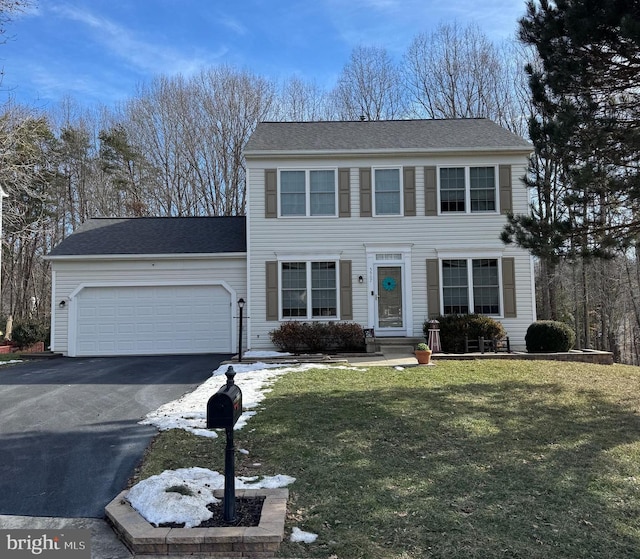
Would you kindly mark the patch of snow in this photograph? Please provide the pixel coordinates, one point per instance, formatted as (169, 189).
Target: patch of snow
(11, 361)
(151, 499)
(190, 411)
(243, 451)
(260, 354)
(267, 482)
(298, 535)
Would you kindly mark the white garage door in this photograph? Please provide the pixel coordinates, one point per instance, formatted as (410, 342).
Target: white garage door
(153, 320)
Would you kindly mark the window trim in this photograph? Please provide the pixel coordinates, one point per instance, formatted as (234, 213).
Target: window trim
(400, 190)
(309, 287)
(467, 189)
(307, 192)
(470, 285)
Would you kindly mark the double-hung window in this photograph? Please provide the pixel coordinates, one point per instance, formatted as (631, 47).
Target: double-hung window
(308, 192)
(467, 189)
(387, 192)
(471, 285)
(309, 289)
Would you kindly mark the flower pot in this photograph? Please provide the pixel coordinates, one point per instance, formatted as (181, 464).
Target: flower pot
(423, 356)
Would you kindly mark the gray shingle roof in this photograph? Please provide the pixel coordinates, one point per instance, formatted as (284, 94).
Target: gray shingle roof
(155, 235)
(384, 135)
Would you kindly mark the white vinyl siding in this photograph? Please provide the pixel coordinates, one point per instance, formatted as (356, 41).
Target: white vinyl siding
(470, 234)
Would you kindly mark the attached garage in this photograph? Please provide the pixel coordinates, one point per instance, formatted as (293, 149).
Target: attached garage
(176, 295)
(142, 320)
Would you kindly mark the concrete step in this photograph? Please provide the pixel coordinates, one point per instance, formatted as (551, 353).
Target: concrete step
(398, 346)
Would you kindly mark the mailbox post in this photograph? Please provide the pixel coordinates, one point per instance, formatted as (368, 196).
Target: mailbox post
(223, 410)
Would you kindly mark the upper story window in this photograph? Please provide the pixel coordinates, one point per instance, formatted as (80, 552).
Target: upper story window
(468, 189)
(308, 192)
(387, 192)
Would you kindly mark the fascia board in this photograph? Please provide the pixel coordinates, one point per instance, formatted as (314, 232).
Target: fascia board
(177, 256)
(271, 154)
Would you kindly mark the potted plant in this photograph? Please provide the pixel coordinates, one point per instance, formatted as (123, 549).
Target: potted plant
(423, 354)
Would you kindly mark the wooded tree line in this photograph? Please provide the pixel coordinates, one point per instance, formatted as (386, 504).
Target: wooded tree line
(175, 149)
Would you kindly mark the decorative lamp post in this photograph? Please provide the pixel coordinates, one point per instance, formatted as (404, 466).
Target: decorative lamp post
(240, 306)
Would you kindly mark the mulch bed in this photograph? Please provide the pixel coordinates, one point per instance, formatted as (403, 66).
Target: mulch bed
(248, 511)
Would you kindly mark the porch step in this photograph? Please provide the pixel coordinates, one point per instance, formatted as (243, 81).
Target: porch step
(398, 346)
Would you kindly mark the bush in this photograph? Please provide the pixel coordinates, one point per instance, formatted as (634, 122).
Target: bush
(347, 336)
(549, 335)
(29, 332)
(455, 327)
(315, 337)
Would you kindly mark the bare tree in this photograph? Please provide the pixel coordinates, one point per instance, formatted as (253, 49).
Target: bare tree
(301, 101)
(192, 135)
(369, 87)
(27, 167)
(456, 72)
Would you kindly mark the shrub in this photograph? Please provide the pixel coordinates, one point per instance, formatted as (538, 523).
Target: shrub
(347, 336)
(549, 335)
(28, 332)
(289, 337)
(315, 337)
(455, 327)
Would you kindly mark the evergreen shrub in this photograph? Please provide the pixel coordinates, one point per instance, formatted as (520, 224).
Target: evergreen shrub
(28, 332)
(549, 335)
(455, 327)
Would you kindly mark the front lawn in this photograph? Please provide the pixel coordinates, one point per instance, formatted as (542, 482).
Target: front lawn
(467, 459)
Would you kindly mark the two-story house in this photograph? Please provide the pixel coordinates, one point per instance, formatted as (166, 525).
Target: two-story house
(383, 223)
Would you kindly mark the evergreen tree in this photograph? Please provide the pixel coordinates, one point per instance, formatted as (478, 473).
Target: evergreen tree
(586, 131)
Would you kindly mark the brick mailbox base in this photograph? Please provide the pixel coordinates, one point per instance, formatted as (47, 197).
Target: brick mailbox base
(143, 538)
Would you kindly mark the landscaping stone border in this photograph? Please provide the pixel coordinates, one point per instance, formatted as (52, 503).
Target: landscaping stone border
(143, 538)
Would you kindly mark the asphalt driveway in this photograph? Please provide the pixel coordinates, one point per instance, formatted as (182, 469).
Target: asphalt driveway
(69, 433)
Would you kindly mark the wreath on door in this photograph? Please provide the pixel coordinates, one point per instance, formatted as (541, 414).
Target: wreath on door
(388, 284)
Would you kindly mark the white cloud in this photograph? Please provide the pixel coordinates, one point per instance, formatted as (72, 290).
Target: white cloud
(234, 25)
(144, 55)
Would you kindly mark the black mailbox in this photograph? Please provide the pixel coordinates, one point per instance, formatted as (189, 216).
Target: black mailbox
(225, 406)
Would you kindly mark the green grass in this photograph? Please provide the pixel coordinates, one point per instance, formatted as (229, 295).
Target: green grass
(8, 356)
(468, 459)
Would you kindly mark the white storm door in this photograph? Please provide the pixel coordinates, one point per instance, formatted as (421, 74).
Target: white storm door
(390, 300)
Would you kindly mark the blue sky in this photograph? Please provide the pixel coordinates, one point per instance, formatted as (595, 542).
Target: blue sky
(99, 51)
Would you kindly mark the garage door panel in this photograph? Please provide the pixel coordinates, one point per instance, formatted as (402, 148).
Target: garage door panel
(139, 320)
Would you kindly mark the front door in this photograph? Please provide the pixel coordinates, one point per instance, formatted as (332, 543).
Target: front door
(389, 300)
